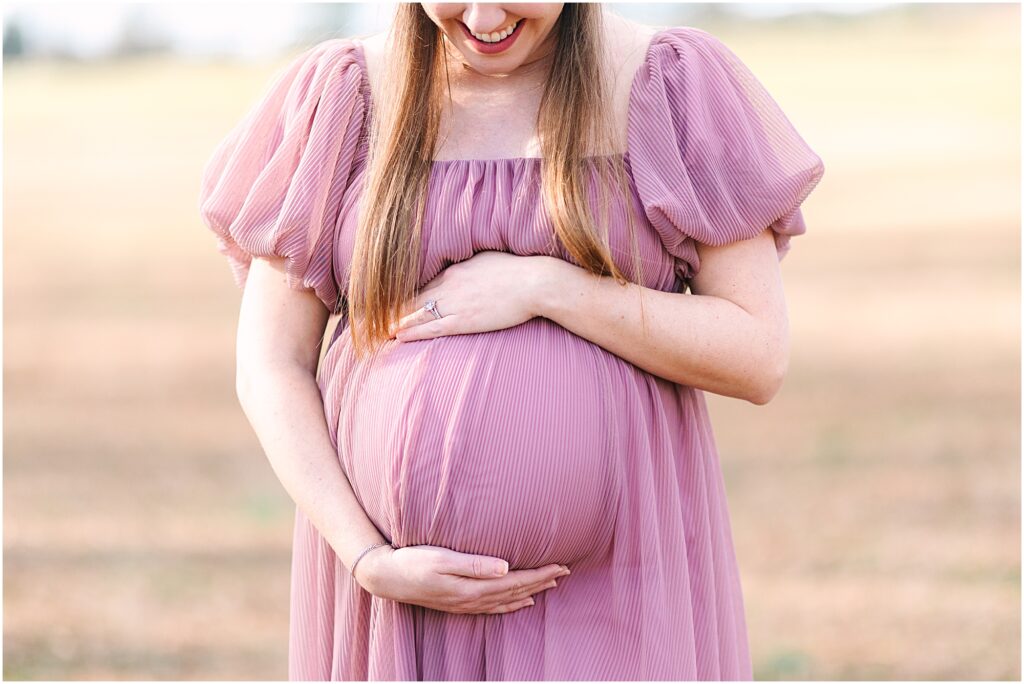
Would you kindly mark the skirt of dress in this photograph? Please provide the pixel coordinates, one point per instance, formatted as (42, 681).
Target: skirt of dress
(533, 445)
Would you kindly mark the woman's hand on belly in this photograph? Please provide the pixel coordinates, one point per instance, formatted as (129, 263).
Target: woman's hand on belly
(489, 291)
(442, 579)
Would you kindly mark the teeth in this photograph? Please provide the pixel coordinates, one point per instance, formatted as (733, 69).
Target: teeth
(496, 35)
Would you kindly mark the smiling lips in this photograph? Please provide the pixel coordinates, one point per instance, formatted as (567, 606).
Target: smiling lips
(495, 46)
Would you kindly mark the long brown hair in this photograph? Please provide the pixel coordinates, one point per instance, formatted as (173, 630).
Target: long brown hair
(573, 122)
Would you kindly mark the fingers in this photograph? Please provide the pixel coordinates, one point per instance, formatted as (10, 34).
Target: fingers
(482, 584)
(523, 597)
(521, 592)
(509, 607)
(515, 587)
(469, 565)
(517, 581)
(472, 600)
(417, 316)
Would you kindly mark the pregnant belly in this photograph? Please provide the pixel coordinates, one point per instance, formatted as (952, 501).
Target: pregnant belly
(499, 443)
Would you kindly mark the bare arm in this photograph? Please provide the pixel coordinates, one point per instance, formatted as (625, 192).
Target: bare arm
(278, 346)
(730, 337)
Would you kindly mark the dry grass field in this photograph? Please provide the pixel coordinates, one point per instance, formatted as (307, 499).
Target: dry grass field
(875, 501)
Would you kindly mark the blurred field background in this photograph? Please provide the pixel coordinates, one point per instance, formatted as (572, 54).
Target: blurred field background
(875, 501)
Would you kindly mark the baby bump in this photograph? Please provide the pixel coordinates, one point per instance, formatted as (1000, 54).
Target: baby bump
(496, 443)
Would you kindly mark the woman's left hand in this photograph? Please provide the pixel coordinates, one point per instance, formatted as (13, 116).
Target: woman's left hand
(489, 291)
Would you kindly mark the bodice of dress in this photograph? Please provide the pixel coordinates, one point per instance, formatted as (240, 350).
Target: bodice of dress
(711, 158)
(476, 205)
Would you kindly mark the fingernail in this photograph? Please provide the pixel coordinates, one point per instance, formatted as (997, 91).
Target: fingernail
(532, 602)
(501, 569)
(565, 571)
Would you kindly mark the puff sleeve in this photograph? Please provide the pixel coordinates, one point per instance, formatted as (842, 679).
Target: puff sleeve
(273, 186)
(713, 156)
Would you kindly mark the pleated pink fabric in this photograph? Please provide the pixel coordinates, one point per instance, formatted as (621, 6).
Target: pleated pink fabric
(529, 443)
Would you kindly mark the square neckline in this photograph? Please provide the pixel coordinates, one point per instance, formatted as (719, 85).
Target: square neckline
(364, 71)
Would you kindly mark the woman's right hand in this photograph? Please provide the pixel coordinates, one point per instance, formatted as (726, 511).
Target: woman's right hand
(442, 579)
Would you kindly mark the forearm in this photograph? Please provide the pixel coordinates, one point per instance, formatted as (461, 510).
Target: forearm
(285, 408)
(701, 341)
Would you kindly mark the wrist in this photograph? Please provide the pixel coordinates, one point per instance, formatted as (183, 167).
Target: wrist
(368, 570)
(548, 285)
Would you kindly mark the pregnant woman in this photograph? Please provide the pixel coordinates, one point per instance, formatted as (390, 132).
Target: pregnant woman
(546, 231)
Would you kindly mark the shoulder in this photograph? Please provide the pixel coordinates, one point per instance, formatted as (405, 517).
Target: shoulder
(688, 66)
(631, 43)
(626, 42)
(626, 35)
(373, 49)
(678, 50)
(326, 61)
(642, 57)
(331, 50)
(374, 44)
(678, 36)
(332, 71)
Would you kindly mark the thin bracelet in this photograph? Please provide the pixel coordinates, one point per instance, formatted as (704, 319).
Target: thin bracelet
(365, 551)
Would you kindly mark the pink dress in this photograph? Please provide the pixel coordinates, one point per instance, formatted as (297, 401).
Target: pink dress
(530, 443)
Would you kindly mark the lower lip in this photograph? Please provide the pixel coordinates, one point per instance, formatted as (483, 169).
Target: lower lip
(493, 48)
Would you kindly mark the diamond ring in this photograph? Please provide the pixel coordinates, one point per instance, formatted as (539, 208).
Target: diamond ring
(431, 306)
